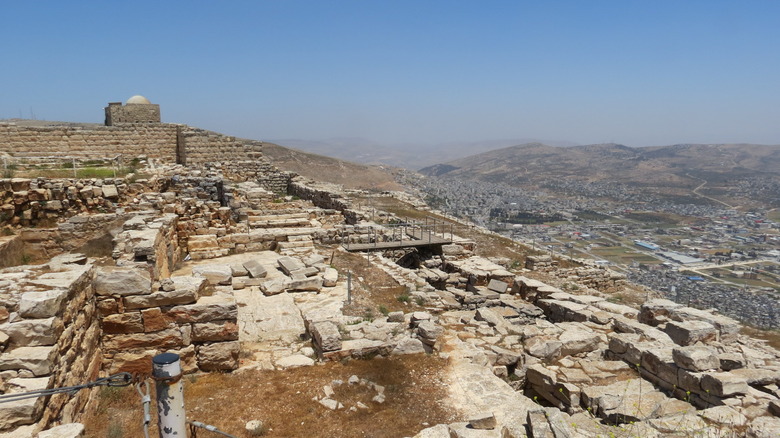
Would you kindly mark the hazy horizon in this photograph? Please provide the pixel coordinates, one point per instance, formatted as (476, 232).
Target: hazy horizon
(413, 73)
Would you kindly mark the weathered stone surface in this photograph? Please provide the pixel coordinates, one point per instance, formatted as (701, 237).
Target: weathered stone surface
(690, 332)
(70, 430)
(132, 362)
(255, 269)
(438, 431)
(574, 341)
(275, 286)
(489, 316)
(215, 331)
(209, 308)
(723, 415)
(428, 331)
(326, 335)
(118, 323)
(23, 411)
(731, 361)
(506, 357)
(543, 348)
(463, 430)
(311, 284)
(219, 356)
(122, 281)
(723, 384)
(215, 274)
(39, 360)
(184, 295)
(34, 332)
(764, 427)
(485, 421)
(330, 277)
(154, 320)
(408, 346)
(696, 358)
(498, 286)
(41, 304)
(289, 264)
(168, 338)
(294, 361)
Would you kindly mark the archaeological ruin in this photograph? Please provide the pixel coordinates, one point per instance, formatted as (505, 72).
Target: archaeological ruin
(207, 250)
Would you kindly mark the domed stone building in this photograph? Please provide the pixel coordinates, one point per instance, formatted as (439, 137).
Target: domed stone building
(138, 109)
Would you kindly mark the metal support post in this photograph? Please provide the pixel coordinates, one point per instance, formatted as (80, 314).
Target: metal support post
(166, 371)
(349, 287)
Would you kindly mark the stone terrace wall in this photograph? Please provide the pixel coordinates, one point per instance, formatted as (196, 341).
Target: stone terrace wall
(50, 338)
(325, 196)
(199, 147)
(157, 141)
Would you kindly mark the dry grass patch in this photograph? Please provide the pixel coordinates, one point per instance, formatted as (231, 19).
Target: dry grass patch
(414, 389)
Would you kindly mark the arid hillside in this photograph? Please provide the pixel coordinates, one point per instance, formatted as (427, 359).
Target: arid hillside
(332, 170)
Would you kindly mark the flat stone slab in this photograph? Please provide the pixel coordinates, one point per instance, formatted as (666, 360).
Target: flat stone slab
(268, 318)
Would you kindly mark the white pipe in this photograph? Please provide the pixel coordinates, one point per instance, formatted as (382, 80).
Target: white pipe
(166, 371)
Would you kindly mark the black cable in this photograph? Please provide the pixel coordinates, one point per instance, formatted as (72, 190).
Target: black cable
(115, 380)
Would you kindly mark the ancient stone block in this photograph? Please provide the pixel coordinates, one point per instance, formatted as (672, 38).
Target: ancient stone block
(161, 298)
(122, 281)
(219, 356)
(215, 331)
(690, 332)
(723, 384)
(23, 411)
(696, 358)
(168, 338)
(123, 323)
(312, 284)
(255, 269)
(34, 332)
(326, 335)
(330, 277)
(574, 341)
(41, 304)
(154, 319)
(215, 274)
(289, 264)
(209, 308)
(39, 360)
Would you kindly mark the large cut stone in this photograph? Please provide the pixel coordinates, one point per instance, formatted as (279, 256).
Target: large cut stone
(326, 335)
(209, 308)
(408, 346)
(574, 341)
(498, 286)
(219, 356)
(255, 269)
(215, 274)
(289, 264)
(543, 348)
(41, 304)
(39, 360)
(187, 290)
(215, 331)
(119, 323)
(690, 332)
(168, 338)
(696, 358)
(330, 277)
(26, 411)
(70, 430)
(723, 384)
(429, 331)
(34, 332)
(122, 281)
(311, 284)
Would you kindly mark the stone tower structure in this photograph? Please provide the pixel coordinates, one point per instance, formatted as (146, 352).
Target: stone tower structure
(138, 109)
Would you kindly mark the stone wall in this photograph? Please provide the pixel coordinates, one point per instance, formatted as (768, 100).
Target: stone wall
(50, 338)
(116, 113)
(325, 196)
(199, 147)
(157, 141)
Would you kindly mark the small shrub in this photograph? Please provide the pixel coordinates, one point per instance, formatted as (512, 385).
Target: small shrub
(383, 310)
(403, 298)
(420, 301)
(115, 430)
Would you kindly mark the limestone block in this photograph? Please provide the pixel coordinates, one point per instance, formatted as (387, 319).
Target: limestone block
(313, 259)
(39, 360)
(489, 316)
(255, 269)
(723, 384)
(215, 331)
(731, 361)
(326, 335)
(132, 362)
(23, 411)
(122, 281)
(209, 308)
(656, 311)
(202, 242)
(543, 347)
(313, 284)
(438, 431)
(34, 332)
(275, 286)
(483, 421)
(162, 298)
(575, 341)
(119, 323)
(168, 338)
(215, 274)
(294, 361)
(408, 346)
(289, 264)
(330, 277)
(428, 331)
(498, 286)
(690, 332)
(506, 357)
(219, 356)
(41, 304)
(70, 430)
(154, 319)
(696, 358)
(110, 191)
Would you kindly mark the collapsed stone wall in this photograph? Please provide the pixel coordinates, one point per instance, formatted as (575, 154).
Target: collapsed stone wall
(50, 338)
(157, 141)
(325, 196)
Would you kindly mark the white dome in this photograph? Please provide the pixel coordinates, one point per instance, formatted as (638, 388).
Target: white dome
(138, 99)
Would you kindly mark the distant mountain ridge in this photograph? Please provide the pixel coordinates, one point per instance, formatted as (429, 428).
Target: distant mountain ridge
(653, 165)
(410, 156)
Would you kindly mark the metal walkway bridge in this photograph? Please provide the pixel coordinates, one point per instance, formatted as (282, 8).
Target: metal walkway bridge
(408, 234)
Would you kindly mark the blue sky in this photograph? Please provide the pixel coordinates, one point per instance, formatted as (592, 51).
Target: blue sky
(634, 72)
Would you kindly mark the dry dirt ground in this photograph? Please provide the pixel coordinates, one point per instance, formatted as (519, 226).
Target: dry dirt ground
(413, 384)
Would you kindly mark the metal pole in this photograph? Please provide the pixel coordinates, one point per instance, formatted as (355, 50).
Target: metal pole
(349, 287)
(166, 371)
